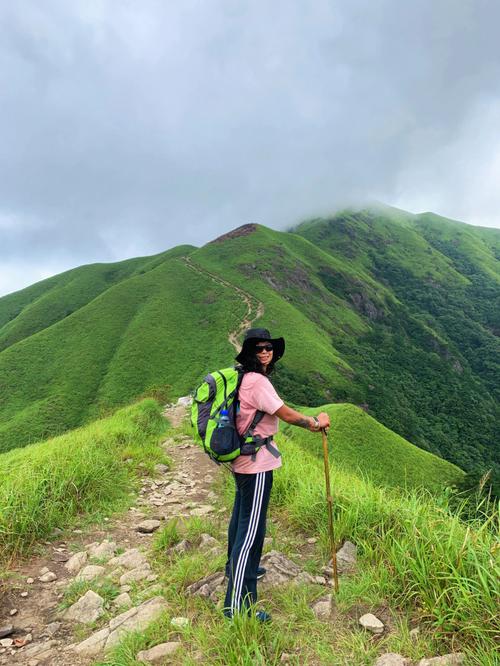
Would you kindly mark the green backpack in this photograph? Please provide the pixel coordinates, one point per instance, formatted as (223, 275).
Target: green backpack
(219, 436)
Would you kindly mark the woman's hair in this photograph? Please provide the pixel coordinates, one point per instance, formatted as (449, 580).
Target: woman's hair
(252, 364)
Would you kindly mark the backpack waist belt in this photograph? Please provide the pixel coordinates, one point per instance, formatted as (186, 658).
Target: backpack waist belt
(265, 441)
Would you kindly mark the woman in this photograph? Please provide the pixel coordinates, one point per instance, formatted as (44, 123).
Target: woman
(254, 474)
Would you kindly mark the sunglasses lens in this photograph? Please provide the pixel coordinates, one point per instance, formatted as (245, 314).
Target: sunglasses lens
(262, 348)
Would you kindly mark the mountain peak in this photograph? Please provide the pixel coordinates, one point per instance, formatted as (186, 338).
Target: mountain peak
(244, 230)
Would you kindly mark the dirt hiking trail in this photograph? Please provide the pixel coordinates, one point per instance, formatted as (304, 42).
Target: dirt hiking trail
(41, 634)
(255, 308)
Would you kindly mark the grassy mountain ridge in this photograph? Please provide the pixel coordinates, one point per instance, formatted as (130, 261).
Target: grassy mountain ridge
(34, 308)
(376, 309)
(434, 375)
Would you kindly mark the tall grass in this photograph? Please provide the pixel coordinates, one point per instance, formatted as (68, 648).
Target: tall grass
(445, 569)
(86, 471)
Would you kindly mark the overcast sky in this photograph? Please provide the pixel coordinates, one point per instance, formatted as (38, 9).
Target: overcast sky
(128, 127)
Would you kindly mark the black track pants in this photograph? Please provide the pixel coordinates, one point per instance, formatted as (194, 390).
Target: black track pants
(246, 533)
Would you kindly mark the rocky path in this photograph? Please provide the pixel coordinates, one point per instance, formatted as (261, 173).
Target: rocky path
(76, 569)
(255, 308)
(33, 628)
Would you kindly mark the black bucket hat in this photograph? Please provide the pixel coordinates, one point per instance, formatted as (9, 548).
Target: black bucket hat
(254, 335)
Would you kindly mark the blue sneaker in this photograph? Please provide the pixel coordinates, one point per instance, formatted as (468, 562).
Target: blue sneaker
(262, 616)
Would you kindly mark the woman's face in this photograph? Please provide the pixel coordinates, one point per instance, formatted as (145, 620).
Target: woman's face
(264, 353)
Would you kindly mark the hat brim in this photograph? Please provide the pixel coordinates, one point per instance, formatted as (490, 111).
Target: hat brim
(249, 346)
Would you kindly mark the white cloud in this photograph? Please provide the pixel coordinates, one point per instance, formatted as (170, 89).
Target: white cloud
(132, 127)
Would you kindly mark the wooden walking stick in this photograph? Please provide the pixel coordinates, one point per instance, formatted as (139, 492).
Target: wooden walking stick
(330, 510)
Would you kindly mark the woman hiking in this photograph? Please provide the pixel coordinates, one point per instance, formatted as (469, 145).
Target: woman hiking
(253, 474)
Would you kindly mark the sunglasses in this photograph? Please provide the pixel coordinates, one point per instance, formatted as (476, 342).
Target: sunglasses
(261, 348)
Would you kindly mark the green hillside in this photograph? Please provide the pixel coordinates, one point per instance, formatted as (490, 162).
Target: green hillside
(428, 368)
(362, 446)
(380, 308)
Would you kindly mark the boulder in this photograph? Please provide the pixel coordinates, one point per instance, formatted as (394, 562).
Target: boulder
(371, 623)
(76, 562)
(87, 609)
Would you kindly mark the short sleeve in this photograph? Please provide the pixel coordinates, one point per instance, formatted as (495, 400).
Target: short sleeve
(265, 397)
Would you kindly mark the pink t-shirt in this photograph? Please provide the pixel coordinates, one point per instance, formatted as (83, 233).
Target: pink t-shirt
(257, 393)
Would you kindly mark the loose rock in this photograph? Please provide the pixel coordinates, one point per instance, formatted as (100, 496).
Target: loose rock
(322, 608)
(208, 587)
(122, 600)
(40, 650)
(157, 654)
(137, 621)
(180, 622)
(52, 629)
(392, 659)
(106, 549)
(136, 574)
(87, 609)
(47, 577)
(182, 547)
(160, 468)
(148, 526)
(371, 623)
(346, 560)
(202, 510)
(281, 570)
(90, 572)
(207, 541)
(130, 559)
(76, 562)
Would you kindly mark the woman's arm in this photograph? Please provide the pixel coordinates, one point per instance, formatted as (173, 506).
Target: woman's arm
(289, 415)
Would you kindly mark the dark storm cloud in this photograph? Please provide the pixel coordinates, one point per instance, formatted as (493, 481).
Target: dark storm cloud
(129, 127)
